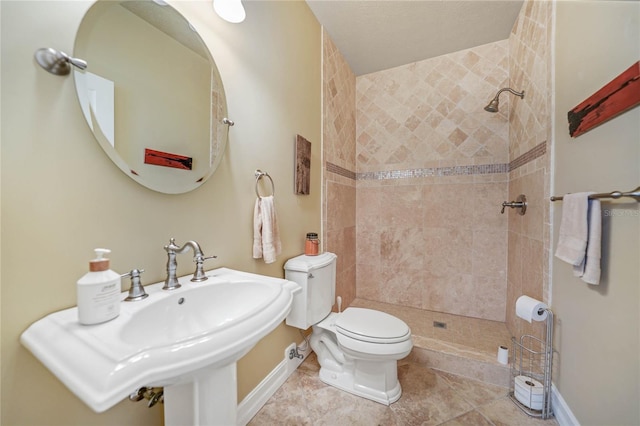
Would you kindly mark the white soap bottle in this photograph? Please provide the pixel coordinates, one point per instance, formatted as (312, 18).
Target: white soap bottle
(98, 291)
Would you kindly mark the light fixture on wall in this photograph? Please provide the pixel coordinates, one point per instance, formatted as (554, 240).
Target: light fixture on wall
(230, 10)
(57, 62)
(493, 105)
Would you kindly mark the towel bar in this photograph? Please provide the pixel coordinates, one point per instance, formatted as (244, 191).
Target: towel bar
(259, 174)
(615, 194)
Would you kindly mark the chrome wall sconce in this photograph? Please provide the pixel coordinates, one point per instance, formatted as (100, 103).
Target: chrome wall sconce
(57, 62)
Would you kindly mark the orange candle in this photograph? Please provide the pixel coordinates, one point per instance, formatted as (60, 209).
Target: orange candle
(312, 244)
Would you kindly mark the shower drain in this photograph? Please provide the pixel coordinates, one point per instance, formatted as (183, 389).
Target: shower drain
(438, 324)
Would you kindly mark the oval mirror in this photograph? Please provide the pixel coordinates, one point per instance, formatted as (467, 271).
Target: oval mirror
(151, 93)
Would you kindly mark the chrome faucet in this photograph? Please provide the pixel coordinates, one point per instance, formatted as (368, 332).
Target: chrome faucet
(136, 291)
(171, 283)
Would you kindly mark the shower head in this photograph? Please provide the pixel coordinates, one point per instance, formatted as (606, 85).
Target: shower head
(495, 102)
(493, 105)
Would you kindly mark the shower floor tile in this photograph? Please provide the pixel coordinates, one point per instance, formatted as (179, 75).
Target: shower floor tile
(430, 397)
(472, 334)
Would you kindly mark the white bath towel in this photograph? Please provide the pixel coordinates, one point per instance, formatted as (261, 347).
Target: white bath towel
(589, 269)
(266, 236)
(572, 242)
(580, 240)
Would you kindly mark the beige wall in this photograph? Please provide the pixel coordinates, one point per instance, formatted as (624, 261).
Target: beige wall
(429, 232)
(339, 147)
(529, 135)
(61, 196)
(597, 327)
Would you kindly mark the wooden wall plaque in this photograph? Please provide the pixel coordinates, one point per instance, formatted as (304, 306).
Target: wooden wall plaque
(303, 166)
(619, 95)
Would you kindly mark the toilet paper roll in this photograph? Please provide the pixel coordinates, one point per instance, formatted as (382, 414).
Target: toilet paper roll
(503, 355)
(535, 403)
(529, 385)
(529, 309)
(529, 392)
(528, 397)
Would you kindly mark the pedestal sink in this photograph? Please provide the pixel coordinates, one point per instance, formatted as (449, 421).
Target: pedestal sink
(185, 340)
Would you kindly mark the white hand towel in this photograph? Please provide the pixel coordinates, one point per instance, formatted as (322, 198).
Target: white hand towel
(572, 242)
(589, 269)
(257, 231)
(266, 237)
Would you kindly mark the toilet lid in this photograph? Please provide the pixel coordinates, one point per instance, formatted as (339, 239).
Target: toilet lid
(371, 326)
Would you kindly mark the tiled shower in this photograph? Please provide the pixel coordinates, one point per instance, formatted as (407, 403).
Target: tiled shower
(431, 172)
(416, 171)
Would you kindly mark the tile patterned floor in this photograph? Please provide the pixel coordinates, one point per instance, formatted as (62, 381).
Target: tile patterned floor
(430, 397)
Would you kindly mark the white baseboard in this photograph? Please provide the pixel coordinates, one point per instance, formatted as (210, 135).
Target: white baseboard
(561, 410)
(259, 396)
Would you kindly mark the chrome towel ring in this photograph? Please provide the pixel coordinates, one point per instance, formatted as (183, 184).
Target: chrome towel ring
(259, 174)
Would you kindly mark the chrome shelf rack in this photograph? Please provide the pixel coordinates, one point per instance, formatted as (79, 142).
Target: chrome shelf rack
(533, 358)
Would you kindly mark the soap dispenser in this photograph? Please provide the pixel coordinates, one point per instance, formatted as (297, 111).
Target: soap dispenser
(98, 291)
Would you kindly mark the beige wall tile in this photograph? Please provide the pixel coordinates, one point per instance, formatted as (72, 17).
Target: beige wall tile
(489, 252)
(489, 299)
(529, 124)
(341, 203)
(368, 280)
(339, 200)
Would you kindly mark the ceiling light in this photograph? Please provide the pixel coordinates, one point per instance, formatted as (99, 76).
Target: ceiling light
(230, 10)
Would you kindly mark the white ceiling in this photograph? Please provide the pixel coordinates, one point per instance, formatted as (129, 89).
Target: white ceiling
(374, 35)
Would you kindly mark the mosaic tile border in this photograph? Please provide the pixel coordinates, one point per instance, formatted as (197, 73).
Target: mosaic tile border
(483, 169)
(534, 153)
(435, 171)
(334, 168)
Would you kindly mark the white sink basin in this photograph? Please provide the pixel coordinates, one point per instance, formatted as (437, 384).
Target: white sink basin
(166, 339)
(198, 312)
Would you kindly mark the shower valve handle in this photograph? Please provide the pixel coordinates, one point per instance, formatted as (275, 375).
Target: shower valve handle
(520, 203)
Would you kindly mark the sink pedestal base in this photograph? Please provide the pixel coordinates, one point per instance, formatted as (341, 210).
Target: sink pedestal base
(209, 399)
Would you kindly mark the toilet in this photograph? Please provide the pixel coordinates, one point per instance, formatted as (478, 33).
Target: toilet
(358, 349)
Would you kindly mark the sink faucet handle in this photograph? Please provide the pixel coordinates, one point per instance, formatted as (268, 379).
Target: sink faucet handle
(172, 246)
(136, 291)
(199, 275)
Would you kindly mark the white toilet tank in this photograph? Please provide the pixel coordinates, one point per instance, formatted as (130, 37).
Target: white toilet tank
(317, 277)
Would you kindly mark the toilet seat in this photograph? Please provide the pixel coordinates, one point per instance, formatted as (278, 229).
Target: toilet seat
(370, 326)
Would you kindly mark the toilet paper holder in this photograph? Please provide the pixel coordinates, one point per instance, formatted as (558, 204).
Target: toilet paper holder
(533, 358)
